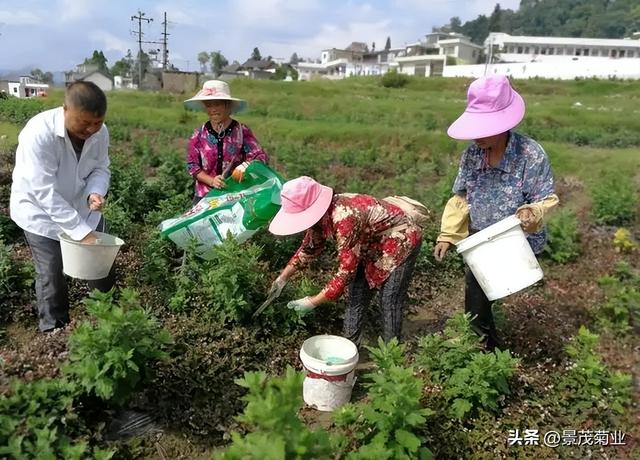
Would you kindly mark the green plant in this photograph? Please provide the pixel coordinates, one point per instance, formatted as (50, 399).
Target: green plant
(615, 201)
(623, 241)
(621, 311)
(589, 384)
(271, 415)
(19, 110)
(470, 379)
(37, 420)
(563, 243)
(16, 279)
(387, 425)
(110, 355)
(393, 79)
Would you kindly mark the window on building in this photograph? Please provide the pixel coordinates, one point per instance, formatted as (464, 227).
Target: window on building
(631, 54)
(621, 54)
(585, 52)
(15, 89)
(578, 52)
(519, 49)
(536, 50)
(543, 51)
(473, 53)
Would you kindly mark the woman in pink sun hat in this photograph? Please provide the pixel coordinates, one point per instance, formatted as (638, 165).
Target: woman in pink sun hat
(501, 173)
(222, 146)
(377, 244)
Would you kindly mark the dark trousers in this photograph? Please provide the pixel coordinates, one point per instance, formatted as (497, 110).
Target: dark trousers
(479, 307)
(392, 294)
(52, 293)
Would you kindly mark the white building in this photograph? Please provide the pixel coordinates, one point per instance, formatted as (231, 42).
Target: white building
(23, 86)
(556, 57)
(423, 58)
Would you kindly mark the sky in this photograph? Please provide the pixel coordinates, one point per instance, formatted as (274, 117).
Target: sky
(56, 35)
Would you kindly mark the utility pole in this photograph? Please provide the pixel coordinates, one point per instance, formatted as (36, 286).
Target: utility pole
(165, 51)
(140, 17)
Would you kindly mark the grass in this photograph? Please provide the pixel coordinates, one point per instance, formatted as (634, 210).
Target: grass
(11, 132)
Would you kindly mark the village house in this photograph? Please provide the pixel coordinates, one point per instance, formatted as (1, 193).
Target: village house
(23, 86)
(90, 72)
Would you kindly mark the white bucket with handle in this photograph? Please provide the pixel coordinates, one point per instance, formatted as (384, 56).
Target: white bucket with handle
(501, 258)
(329, 362)
(89, 261)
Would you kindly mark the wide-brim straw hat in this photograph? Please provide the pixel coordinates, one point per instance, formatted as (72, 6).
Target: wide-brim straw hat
(215, 90)
(493, 107)
(304, 202)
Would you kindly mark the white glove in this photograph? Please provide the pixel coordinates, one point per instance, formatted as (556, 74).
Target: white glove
(302, 306)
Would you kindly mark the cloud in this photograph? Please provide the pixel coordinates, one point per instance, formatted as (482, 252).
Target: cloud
(73, 10)
(274, 14)
(19, 18)
(175, 15)
(108, 42)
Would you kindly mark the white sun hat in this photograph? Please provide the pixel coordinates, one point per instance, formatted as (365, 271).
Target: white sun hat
(215, 90)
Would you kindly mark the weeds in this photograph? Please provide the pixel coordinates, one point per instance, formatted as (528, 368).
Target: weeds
(563, 238)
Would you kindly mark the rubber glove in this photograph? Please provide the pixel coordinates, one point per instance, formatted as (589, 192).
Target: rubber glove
(238, 172)
(302, 306)
(276, 287)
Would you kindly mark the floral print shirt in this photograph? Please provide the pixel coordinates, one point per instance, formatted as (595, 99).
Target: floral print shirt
(523, 176)
(364, 230)
(238, 145)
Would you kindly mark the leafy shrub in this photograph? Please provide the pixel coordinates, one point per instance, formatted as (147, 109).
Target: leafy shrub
(19, 110)
(615, 201)
(109, 356)
(621, 311)
(229, 287)
(37, 419)
(272, 416)
(16, 279)
(563, 239)
(470, 379)
(386, 425)
(393, 79)
(623, 241)
(589, 384)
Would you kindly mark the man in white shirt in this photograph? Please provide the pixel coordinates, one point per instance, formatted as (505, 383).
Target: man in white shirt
(60, 179)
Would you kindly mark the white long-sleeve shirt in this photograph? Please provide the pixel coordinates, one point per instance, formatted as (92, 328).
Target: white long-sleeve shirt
(50, 185)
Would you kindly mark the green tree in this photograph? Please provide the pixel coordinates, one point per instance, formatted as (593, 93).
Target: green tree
(97, 58)
(203, 59)
(123, 67)
(455, 24)
(495, 20)
(294, 59)
(44, 77)
(255, 55)
(387, 45)
(218, 61)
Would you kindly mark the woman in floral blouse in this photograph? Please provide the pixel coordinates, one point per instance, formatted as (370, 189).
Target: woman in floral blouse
(222, 146)
(502, 173)
(377, 245)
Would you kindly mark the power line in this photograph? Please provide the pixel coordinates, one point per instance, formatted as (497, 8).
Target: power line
(140, 17)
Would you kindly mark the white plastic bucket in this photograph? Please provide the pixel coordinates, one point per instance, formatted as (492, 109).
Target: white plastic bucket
(89, 261)
(501, 259)
(329, 362)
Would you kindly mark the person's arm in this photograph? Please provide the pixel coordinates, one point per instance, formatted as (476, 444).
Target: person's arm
(38, 162)
(538, 191)
(99, 178)
(252, 148)
(194, 166)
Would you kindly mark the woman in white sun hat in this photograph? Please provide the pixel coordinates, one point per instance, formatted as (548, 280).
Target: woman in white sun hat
(377, 244)
(222, 146)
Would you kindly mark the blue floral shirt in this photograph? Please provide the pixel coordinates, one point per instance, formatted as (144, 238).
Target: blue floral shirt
(523, 176)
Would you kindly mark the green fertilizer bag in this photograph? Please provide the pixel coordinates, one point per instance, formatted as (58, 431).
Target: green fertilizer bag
(239, 211)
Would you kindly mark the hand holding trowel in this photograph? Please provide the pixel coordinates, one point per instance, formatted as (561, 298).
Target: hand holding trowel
(274, 292)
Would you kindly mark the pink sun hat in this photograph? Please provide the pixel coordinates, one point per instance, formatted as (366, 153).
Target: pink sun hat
(304, 202)
(493, 107)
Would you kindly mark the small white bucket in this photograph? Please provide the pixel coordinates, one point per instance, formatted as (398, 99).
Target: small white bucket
(501, 259)
(329, 362)
(89, 261)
